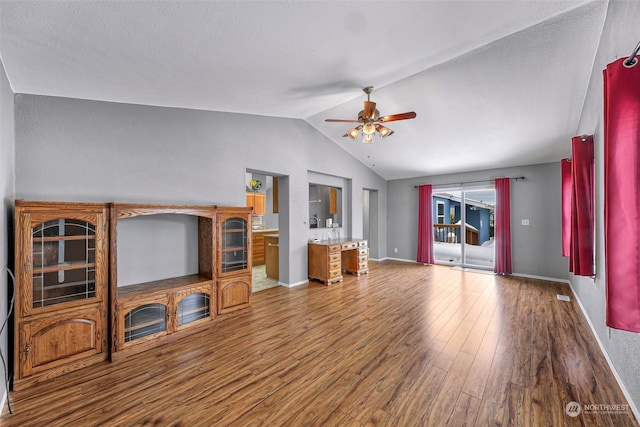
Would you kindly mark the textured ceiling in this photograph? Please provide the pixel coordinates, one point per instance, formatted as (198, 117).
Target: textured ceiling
(494, 83)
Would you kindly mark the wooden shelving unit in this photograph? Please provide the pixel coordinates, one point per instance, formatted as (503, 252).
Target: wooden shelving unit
(61, 299)
(234, 259)
(148, 314)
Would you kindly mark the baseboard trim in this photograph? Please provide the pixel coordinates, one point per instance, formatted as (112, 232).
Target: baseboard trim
(398, 259)
(549, 279)
(3, 401)
(293, 285)
(626, 393)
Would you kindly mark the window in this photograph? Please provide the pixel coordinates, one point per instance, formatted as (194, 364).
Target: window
(439, 212)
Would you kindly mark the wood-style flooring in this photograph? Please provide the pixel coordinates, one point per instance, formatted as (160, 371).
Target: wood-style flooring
(406, 345)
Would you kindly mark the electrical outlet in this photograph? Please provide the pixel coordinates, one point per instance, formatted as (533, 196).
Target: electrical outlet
(525, 222)
(395, 250)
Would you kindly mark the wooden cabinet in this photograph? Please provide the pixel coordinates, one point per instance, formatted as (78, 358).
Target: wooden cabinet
(275, 200)
(234, 259)
(258, 202)
(234, 242)
(272, 255)
(355, 259)
(148, 314)
(258, 249)
(61, 288)
(234, 294)
(333, 201)
(324, 262)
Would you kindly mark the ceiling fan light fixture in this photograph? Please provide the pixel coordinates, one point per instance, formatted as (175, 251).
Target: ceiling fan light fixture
(371, 120)
(369, 128)
(384, 131)
(353, 133)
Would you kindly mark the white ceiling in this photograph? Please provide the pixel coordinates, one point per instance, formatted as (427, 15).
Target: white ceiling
(493, 83)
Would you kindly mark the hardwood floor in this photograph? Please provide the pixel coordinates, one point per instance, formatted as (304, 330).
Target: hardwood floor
(406, 345)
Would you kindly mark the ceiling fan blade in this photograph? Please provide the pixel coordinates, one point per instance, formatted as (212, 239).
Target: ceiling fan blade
(369, 109)
(396, 117)
(341, 120)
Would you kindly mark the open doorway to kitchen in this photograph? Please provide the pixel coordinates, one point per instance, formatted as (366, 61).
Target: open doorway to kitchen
(463, 227)
(269, 227)
(370, 221)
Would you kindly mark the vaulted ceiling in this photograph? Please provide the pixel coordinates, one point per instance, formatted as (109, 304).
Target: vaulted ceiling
(493, 83)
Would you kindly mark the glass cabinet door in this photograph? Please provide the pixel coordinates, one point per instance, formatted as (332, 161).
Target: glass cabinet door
(145, 320)
(63, 260)
(192, 308)
(234, 245)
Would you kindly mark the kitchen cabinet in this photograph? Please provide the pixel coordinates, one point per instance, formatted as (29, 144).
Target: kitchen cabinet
(272, 258)
(258, 250)
(258, 202)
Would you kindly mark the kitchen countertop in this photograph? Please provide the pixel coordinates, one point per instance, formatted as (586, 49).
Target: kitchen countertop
(264, 230)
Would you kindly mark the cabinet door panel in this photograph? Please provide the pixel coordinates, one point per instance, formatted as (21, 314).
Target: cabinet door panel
(63, 259)
(59, 339)
(194, 307)
(141, 321)
(234, 294)
(234, 242)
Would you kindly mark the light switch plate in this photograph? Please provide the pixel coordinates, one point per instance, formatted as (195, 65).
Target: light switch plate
(525, 222)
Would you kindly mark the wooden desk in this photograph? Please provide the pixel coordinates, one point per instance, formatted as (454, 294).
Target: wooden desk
(327, 260)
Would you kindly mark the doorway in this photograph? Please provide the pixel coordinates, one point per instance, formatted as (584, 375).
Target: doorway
(268, 226)
(463, 227)
(370, 221)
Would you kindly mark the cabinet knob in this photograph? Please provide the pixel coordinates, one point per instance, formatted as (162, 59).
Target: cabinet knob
(27, 264)
(26, 351)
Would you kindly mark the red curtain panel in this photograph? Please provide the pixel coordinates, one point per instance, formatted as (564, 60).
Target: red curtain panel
(582, 213)
(503, 227)
(425, 225)
(621, 194)
(565, 165)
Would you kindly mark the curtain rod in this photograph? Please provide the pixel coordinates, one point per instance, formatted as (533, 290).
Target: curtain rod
(474, 182)
(632, 60)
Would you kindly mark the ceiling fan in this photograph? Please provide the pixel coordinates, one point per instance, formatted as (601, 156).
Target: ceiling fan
(370, 120)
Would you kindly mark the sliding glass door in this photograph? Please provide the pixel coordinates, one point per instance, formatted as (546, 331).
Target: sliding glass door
(463, 221)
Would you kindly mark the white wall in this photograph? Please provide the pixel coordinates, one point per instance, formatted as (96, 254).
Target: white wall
(536, 249)
(619, 36)
(6, 213)
(79, 150)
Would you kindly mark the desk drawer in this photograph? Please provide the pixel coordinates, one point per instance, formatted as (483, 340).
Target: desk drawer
(363, 266)
(362, 244)
(334, 266)
(349, 245)
(363, 258)
(334, 258)
(334, 273)
(363, 251)
(334, 248)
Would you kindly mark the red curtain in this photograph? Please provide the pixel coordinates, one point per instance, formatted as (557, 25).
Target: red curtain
(425, 225)
(503, 227)
(582, 219)
(622, 194)
(567, 183)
